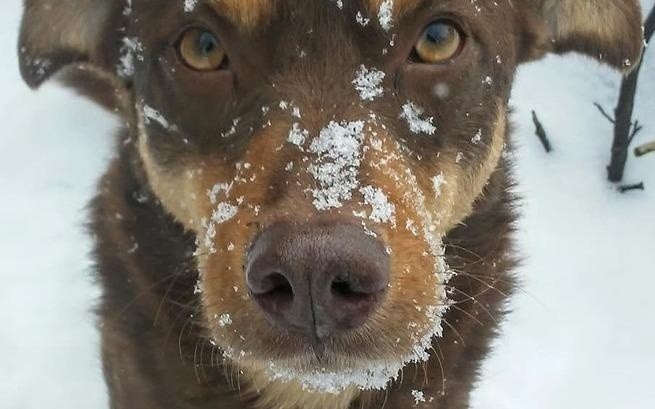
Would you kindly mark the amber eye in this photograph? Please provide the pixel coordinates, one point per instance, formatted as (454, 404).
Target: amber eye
(201, 50)
(441, 41)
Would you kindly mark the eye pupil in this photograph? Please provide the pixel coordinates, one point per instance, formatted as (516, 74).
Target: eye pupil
(207, 43)
(437, 33)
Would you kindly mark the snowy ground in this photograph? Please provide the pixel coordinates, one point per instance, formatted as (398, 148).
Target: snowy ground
(583, 329)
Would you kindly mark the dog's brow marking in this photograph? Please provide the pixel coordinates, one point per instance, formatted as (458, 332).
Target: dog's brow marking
(246, 13)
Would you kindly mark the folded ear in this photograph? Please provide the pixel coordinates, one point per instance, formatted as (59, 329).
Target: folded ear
(57, 34)
(609, 30)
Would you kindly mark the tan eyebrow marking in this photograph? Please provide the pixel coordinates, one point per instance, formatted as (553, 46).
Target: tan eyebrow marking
(400, 7)
(246, 14)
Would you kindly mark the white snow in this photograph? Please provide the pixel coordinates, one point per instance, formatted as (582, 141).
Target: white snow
(412, 113)
(361, 20)
(130, 52)
(190, 5)
(224, 320)
(297, 135)
(382, 211)
(368, 82)
(150, 114)
(418, 396)
(580, 334)
(385, 15)
(338, 148)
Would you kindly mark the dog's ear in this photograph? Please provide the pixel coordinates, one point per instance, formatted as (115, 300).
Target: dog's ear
(609, 30)
(62, 34)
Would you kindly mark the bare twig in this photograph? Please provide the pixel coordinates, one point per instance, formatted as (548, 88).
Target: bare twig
(624, 128)
(645, 149)
(636, 128)
(604, 113)
(636, 186)
(541, 133)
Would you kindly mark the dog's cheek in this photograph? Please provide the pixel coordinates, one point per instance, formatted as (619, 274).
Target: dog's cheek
(456, 187)
(416, 293)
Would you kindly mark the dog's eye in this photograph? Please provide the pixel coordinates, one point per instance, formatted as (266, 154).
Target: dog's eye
(441, 41)
(201, 50)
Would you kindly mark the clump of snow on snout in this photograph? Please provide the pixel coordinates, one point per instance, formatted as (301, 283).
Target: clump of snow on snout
(338, 148)
(382, 211)
(385, 15)
(413, 114)
(368, 82)
(222, 212)
(297, 135)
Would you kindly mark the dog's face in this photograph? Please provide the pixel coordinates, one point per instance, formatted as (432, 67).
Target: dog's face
(319, 150)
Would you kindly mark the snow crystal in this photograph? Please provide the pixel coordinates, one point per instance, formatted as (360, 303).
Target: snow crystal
(131, 50)
(477, 138)
(338, 149)
(383, 211)
(338, 3)
(224, 320)
(437, 183)
(37, 66)
(385, 15)
(412, 114)
(418, 397)
(128, 8)
(216, 190)
(223, 212)
(297, 136)
(150, 114)
(369, 83)
(361, 20)
(190, 5)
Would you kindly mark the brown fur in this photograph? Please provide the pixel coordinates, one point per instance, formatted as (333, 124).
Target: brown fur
(163, 345)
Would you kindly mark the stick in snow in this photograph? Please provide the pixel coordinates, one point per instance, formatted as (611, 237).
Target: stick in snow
(645, 149)
(541, 133)
(636, 186)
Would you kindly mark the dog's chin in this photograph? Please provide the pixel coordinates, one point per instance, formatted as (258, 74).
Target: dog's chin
(329, 373)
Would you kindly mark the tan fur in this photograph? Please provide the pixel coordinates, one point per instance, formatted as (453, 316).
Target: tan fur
(601, 28)
(175, 188)
(73, 26)
(466, 186)
(246, 14)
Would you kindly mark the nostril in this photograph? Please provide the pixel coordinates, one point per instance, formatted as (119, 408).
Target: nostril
(278, 283)
(277, 292)
(344, 290)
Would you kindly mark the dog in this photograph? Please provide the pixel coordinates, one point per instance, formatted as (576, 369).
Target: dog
(311, 203)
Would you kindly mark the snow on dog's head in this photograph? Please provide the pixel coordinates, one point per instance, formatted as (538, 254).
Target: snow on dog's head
(320, 152)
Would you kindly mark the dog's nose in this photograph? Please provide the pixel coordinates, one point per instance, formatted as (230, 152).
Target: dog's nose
(319, 279)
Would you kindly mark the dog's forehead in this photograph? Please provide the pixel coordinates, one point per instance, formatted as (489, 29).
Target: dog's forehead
(250, 13)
